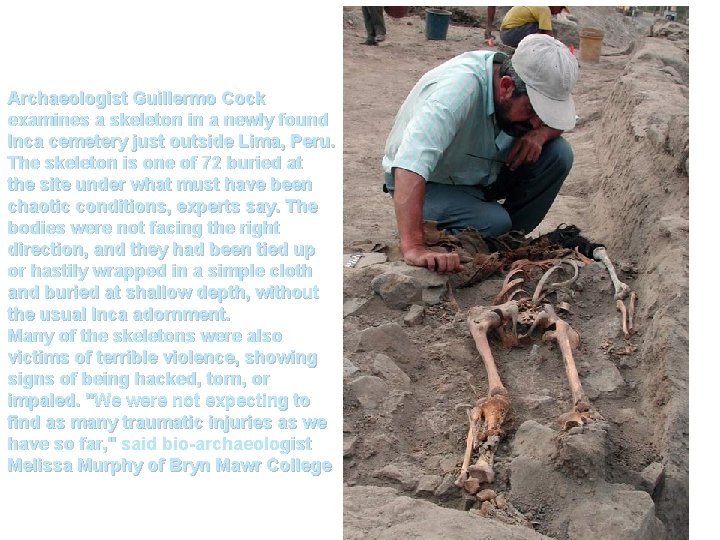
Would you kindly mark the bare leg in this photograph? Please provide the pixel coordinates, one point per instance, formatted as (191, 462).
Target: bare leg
(490, 23)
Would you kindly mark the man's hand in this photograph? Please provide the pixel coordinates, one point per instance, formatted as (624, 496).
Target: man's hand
(527, 149)
(433, 260)
(409, 197)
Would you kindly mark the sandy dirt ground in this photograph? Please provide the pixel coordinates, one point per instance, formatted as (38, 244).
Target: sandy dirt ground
(412, 368)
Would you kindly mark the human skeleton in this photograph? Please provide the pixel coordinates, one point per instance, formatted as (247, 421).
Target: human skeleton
(512, 307)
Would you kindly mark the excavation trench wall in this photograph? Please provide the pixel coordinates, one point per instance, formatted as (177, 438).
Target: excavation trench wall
(641, 212)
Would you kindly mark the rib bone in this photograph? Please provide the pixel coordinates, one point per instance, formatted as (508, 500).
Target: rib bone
(542, 287)
(488, 414)
(509, 285)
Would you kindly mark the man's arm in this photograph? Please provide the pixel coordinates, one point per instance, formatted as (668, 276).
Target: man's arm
(544, 19)
(527, 149)
(409, 197)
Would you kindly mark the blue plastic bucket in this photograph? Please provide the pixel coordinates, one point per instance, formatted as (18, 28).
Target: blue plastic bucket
(437, 22)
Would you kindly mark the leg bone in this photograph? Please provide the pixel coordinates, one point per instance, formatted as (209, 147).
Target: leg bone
(567, 339)
(624, 315)
(485, 419)
(480, 322)
(488, 414)
(621, 289)
(631, 311)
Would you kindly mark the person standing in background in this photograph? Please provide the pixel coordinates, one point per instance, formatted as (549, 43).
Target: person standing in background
(490, 23)
(374, 24)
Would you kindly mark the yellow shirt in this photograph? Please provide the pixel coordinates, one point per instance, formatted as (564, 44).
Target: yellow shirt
(519, 15)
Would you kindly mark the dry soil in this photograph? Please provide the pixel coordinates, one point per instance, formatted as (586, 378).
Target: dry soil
(411, 370)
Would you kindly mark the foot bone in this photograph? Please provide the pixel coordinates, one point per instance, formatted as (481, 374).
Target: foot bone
(486, 420)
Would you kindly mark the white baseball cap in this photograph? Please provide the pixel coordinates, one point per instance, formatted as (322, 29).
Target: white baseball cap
(550, 71)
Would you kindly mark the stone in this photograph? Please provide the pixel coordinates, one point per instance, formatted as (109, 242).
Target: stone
(651, 476)
(398, 291)
(434, 296)
(349, 446)
(381, 513)
(535, 440)
(533, 468)
(414, 316)
(486, 495)
(583, 454)
(389, 339)
(389, 370)
(625, 515)
(426, 278)
(446, 487)
(370, 391)
(487, 509)
(352, 305)
(432, 286)
(427, 484)
(605, 377)
(471, 485)
(401, 474)
(349, 369)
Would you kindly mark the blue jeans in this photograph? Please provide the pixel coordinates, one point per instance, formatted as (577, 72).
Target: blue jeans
(527, 194)
(512, 36)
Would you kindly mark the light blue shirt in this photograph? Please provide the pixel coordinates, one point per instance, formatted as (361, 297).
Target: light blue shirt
(448, 118)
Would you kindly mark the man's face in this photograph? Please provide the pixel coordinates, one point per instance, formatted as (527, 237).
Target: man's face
(516, 116)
